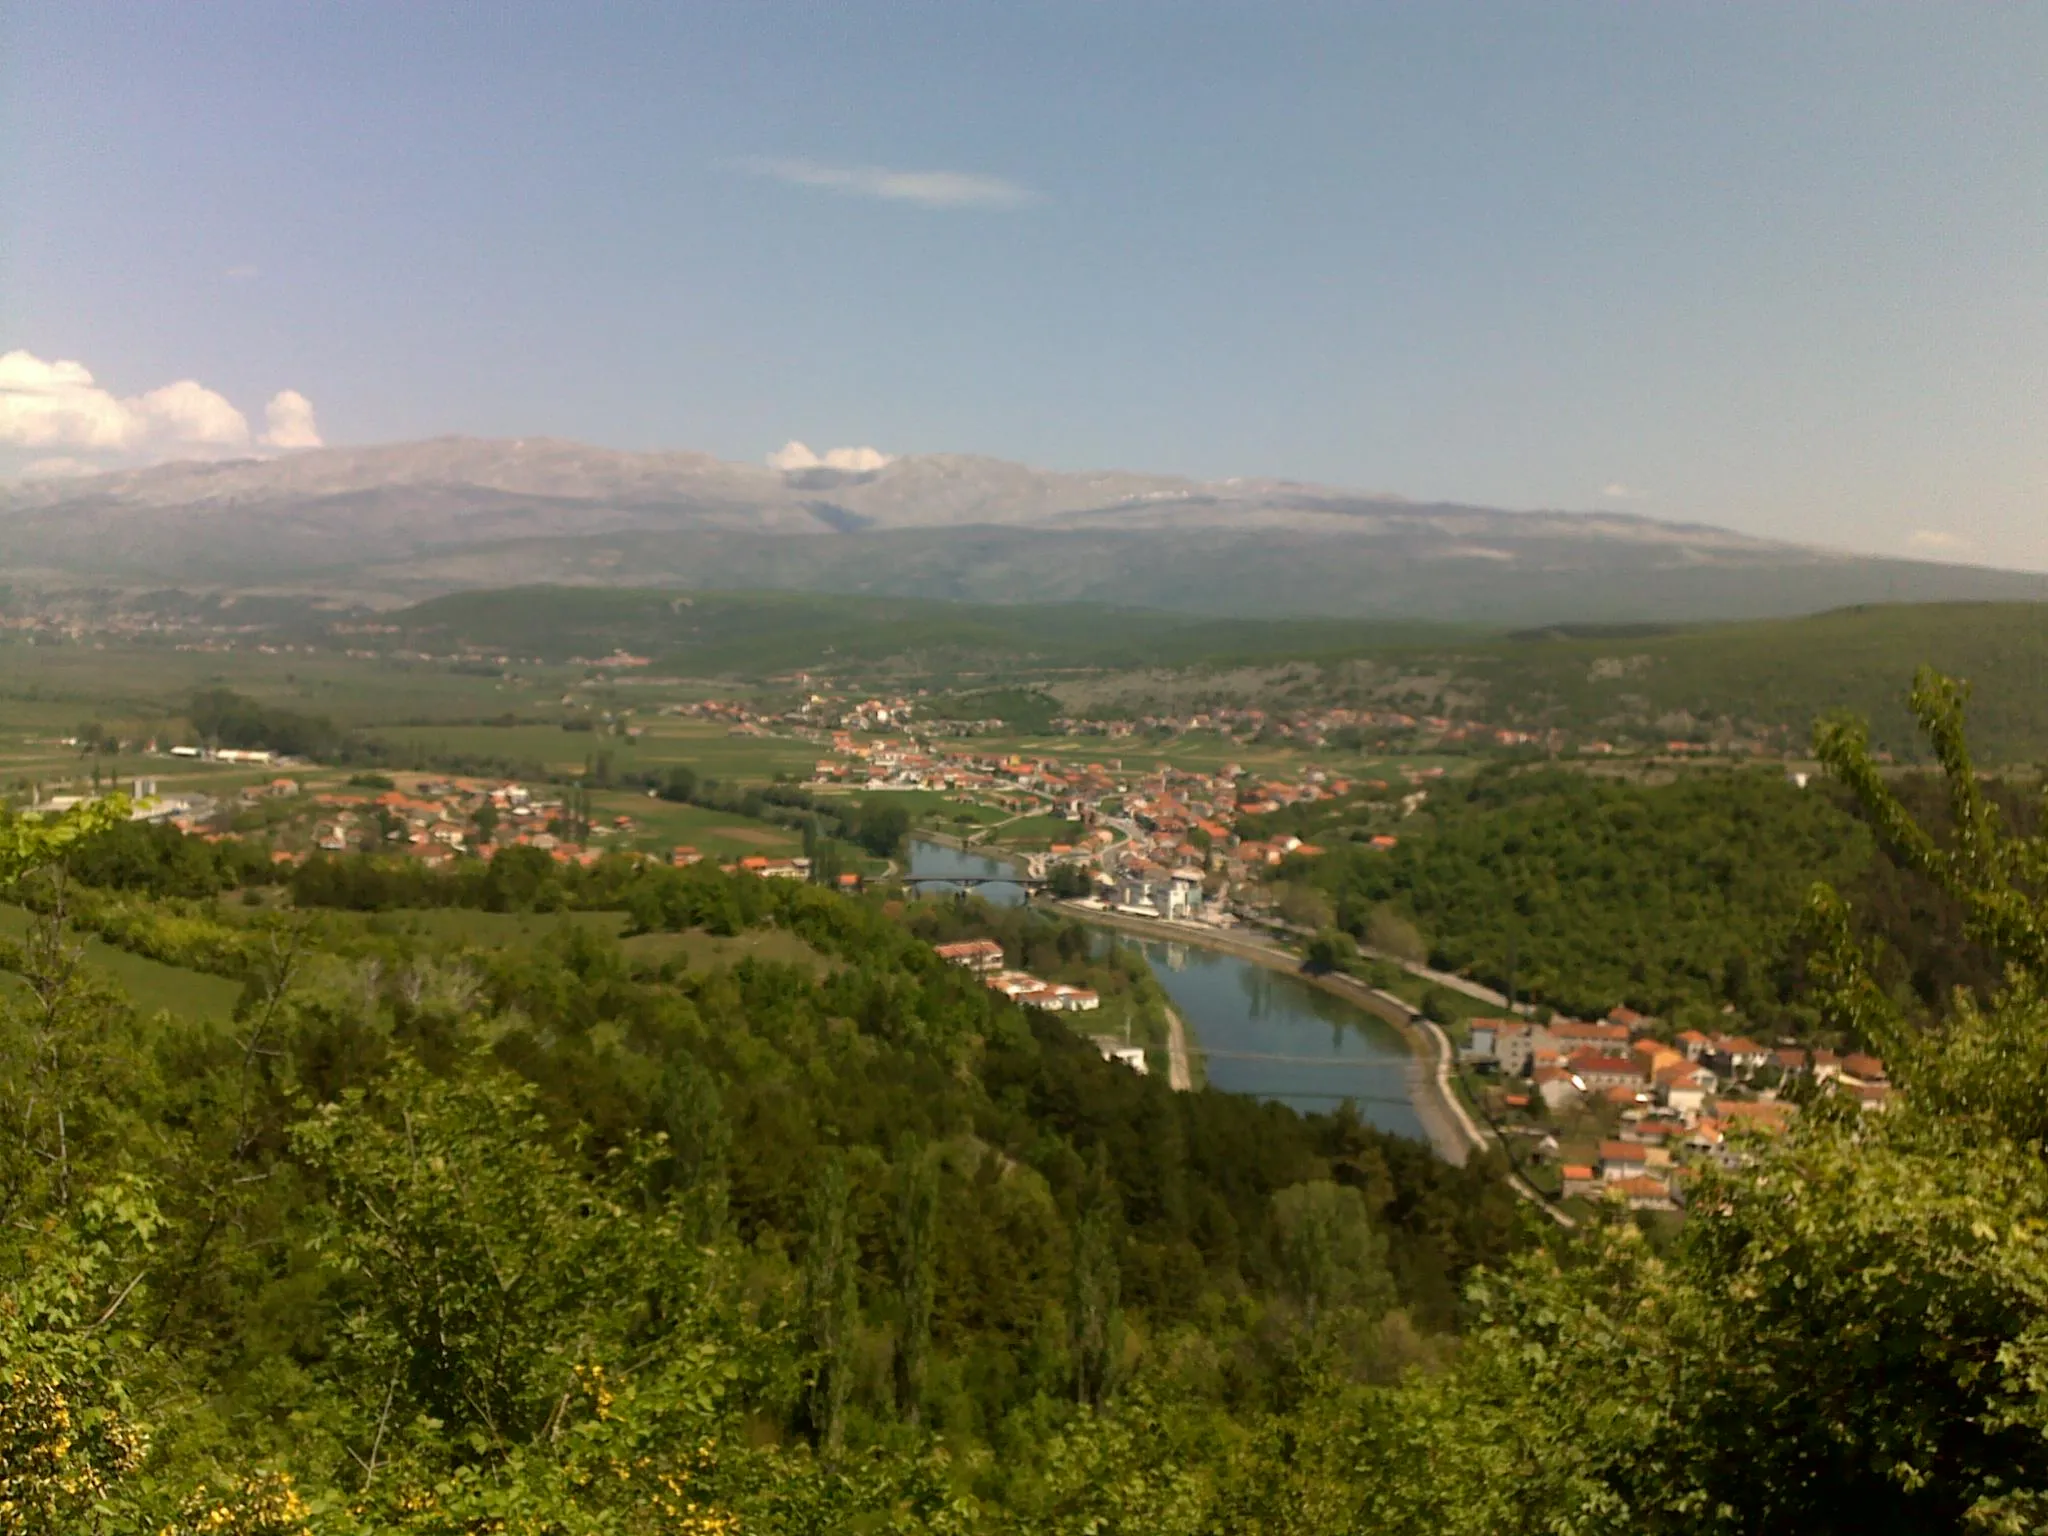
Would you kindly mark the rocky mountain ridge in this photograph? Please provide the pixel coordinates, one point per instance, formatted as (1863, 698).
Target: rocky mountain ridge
(406, 520)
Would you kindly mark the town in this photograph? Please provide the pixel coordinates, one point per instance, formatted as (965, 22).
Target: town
(1622, 1109)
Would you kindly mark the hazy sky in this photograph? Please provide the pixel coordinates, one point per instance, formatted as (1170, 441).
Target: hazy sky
(1779, 266)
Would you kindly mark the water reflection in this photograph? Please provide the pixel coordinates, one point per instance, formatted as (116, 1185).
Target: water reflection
(1259, 1031)
(928, 859)
(1275, 1036)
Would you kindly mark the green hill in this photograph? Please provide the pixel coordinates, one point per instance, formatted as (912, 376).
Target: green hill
(1777, 676)
(753, 633)
(1642, 682)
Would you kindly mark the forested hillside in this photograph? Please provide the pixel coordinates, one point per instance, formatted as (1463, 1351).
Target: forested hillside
(1686, 899)
(447, 1228)
(1587, 893)
(1778, 676)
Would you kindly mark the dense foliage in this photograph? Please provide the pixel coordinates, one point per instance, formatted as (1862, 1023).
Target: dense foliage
(1597, 892)
(876, 826)
(144, 856)
(224, 718)
(442, 1233)
(1029, 711)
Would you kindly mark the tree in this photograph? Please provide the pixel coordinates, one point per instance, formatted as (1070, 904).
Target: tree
(1095, 1294)
(883, 828)
(1330, 1253)
(680, 784)
(1070, 881)
(699, 1138)
(1304, 906)
(67, 1435)
(831, 1302)
(1848, 1333)
(914, 1250)
(1392, 934)
(1331, 950)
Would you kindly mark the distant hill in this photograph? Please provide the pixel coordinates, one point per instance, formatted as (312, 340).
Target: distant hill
(411, 520)
(1643, 682)
(752, 634)
(1737, 679)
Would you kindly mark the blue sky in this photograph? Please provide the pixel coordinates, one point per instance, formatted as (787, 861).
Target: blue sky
(1783, 267)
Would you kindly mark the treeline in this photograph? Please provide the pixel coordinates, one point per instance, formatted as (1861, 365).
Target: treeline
(223, 718)
(220, 717)
(875, 826)
(1030, 711)
(162, 861)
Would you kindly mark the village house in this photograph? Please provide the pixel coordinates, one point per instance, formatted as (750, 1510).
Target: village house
(972, 954)
(1573, 1034)
(1598, 1071)
(1644, 1194)
(1132, 1056)
(1623, 1160)
(1557, 1088)
(1683, 1087)
(1581, 1181)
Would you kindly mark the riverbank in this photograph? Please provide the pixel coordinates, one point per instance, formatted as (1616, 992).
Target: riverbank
(962, 845)
(1444, 1121)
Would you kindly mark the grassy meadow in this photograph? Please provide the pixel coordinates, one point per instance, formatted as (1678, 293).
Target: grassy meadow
(148, 984)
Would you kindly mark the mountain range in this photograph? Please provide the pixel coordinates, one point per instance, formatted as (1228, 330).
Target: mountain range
(402, 522)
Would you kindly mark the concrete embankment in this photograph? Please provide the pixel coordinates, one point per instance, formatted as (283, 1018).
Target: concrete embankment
(1450, 1130)
(1180, 1075)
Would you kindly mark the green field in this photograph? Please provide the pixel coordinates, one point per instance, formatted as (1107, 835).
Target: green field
(148, 984)
(1037, 831)
(930, 807)
(662, 824)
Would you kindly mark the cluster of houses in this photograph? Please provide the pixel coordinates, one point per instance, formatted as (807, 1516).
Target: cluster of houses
(1675, 1099)
(1163, 843)
(984, 957)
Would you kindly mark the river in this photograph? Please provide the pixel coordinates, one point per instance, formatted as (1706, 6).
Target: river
(1255, 1030)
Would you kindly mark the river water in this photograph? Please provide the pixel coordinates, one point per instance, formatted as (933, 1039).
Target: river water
(1256, 1030)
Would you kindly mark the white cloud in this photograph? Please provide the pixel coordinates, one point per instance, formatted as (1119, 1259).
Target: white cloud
(927, 189)
(288, 421)
(1938, 541)
(795, 455)
(187, 413)
(1619, 492)
(241, 272)
(53, 405)
(59, 405)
